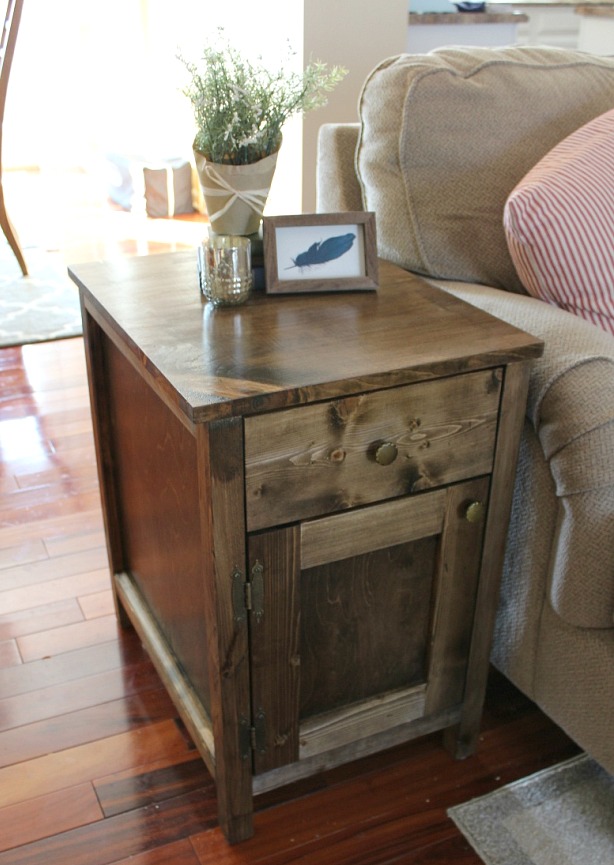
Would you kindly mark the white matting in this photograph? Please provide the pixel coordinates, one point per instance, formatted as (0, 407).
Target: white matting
(41, 306)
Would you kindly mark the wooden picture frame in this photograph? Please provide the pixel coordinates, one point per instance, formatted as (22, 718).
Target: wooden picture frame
(320, 252)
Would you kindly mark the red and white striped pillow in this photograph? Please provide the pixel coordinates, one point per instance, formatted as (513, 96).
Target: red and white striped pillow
(559, 224)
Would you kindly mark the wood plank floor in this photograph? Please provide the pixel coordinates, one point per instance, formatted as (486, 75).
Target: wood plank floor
(95, 767)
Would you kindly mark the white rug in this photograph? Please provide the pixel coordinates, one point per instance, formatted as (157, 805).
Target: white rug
(563, 815)
(41, 306)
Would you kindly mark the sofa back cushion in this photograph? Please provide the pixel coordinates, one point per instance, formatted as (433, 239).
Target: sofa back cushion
(446, 136)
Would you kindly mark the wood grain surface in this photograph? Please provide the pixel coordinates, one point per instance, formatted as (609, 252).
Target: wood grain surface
(95, 767)
(409, 400)
(321, 458)
(277, 351)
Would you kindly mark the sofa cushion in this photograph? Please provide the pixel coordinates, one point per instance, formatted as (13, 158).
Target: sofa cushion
(446, 136)
(559, 224)
(575, 431)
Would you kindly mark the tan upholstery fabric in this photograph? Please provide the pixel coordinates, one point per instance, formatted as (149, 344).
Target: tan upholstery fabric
(574, 683)
(337, 187)
(575, 428)
(527, 559)
(446, 136)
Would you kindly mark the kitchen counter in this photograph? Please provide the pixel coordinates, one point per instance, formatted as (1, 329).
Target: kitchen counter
(465, 18)
(548, 3)
(595, 11)
(430, 30)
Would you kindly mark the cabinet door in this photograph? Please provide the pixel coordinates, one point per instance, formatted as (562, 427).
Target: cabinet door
(366, 620)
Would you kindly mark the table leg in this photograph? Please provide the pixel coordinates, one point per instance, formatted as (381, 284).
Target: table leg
(220, 465)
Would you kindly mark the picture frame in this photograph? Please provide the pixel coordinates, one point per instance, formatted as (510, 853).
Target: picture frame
(320, 252)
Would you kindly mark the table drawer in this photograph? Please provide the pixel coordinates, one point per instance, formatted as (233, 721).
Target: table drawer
(327, 457)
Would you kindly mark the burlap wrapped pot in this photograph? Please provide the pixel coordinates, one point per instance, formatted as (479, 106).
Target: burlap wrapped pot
(235, 195)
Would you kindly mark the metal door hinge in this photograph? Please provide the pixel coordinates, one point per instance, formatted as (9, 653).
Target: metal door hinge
(252, 736)
(248, 595)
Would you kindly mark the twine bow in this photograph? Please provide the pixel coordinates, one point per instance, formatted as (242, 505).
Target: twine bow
(254, 198)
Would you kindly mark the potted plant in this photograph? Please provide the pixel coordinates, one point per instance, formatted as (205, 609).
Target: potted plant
(240, 108)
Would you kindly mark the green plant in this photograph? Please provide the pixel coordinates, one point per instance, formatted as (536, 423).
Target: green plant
(240, 107)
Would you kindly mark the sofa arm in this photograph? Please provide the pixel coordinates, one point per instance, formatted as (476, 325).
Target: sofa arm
(337, 187)
(575, 424)
(571, 407)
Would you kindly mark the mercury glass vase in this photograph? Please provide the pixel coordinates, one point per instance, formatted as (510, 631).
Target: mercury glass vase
(226, 275)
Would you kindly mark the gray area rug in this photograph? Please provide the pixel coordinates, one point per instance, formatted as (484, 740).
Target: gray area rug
(41, 306)
(563, 815)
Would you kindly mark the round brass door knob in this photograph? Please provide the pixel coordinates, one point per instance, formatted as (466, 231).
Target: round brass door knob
(386, 454)
(474, 512)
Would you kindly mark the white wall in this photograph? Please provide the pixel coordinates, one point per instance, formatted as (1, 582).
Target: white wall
(596, 34)
(356, 34)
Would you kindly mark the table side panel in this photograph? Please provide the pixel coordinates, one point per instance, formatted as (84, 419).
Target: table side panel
(155, 468)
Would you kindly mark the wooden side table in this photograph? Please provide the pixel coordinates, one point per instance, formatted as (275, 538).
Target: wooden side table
(306, 501)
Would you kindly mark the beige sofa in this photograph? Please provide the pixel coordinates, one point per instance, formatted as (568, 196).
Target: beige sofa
(442, 140)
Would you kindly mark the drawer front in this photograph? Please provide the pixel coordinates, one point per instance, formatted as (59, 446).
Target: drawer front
(327, 457)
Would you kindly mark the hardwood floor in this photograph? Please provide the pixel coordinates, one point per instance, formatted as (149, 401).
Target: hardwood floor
(95, 767)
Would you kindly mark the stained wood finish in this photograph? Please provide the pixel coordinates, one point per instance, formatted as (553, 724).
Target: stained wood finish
(361, 222)
(364, 625)
(321, 458)
(275, 352)
(100, 407)
(222, 550)
(165, 581)
(455, 617)
(152, 469)
(100, 711)
(512, 418)
(367, 627)
(329, 539)
(275, 647)
(193, 454)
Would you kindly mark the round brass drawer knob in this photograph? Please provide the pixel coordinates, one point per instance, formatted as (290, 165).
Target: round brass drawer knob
(474, 512)
(386, 454)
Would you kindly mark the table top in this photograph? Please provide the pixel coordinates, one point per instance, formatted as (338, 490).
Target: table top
(281, 350)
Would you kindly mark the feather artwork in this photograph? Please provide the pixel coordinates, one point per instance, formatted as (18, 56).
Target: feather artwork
(327, 250)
